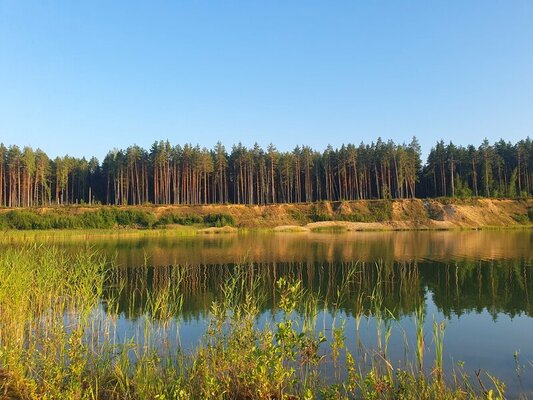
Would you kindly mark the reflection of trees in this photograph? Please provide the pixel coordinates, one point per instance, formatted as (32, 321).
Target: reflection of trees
(497, 286)
(459, 287)
(310, 248)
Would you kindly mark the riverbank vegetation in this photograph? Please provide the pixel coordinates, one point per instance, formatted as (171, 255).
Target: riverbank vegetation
(63, 340)
(105, 218)
(411, 214)
(167, 174)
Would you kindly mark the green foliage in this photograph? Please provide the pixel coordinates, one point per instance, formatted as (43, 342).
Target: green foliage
(513, 192)
(380, 210)
(530, 214)
(521, 218)
(319, 217)
(171, 218)
(48, 347)
(298, 215)
(104, 218)
(319, 213)
(167, 174)
(461, 188)
(219, 220)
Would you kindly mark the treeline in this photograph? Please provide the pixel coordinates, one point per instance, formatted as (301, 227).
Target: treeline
(188, 174)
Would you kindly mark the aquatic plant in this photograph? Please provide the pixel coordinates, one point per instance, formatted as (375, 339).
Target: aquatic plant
(59, 339)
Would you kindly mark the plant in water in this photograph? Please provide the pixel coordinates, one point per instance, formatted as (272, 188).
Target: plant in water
(61, 339)
(438, 339)
(419, 318)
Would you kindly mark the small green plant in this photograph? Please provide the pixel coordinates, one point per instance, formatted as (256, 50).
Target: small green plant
(438, 339)
(521, 218)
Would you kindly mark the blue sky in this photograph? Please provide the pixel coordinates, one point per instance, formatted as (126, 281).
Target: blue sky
(81, 78)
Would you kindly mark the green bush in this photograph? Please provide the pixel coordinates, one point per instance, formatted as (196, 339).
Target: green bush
(521, 218)
(219, 220)
(297, 215)
(128, 218)
(380, 210)
(318, 213)
(188, 219)
(318, 217)
(20, 220)
(530, 214)
(104, 218)
(101, 219)
(355, 217)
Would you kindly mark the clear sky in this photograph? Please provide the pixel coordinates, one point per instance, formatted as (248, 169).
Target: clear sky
(83, 77)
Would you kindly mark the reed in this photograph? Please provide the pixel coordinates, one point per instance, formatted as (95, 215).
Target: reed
(419, 318)
(59, 339)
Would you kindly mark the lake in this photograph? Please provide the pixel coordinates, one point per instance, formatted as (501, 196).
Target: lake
(479, 283)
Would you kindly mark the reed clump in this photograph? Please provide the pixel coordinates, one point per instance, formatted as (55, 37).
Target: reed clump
(59, 339)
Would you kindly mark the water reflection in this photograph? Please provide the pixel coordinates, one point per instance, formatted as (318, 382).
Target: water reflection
(166, 249)
(456, 288)
(480, 282)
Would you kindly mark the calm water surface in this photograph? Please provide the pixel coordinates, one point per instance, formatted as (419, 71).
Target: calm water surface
(479, 282)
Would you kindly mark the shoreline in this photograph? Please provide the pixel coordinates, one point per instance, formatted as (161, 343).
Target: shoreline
(344, 216)
(186, 231)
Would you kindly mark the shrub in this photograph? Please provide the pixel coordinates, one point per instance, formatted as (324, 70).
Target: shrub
(104, 218)
(380, 210)
(298, 215)
(219, 220)
(521, 218)
(356, 217)
(318, 214)
(187, 219)
(317, 217)
(21, 219)
(134, 218)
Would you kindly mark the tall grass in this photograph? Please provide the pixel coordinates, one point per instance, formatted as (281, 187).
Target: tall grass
(60, 340)
(104, 218)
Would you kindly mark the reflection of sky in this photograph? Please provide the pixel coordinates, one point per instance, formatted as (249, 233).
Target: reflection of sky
(474, 338)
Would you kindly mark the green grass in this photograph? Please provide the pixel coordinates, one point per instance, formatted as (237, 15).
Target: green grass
(105, 218)
(56, 343)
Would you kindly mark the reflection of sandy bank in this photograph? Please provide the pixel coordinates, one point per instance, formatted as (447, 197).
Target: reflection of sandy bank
(217, 230)
(314, 247)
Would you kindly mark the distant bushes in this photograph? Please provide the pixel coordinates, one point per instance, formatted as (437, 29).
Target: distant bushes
(105, 218)
(378, 211)
(219, 220)
(321, 212)
(319, 217)
(524, 218)
(187, 219)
